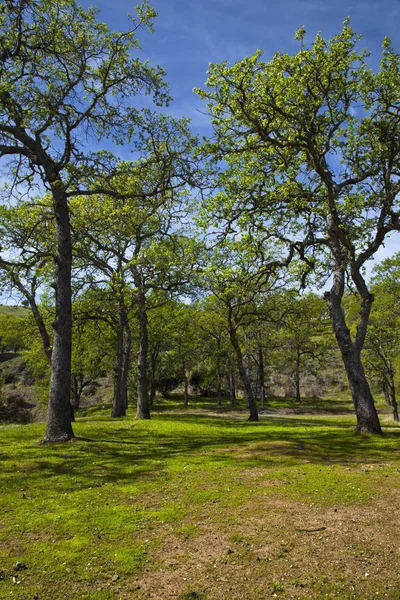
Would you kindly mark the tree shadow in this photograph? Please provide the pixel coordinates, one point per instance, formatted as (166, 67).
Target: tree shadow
(124, 455)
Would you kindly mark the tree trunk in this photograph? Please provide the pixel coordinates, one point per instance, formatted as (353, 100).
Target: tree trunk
(152, 391)
(244, 376)
(59, 427)
(119, 401)
(41, 326)
(78, 385)
(126, 361)
(297, 376)
(386, 393)
(232, 389)
(394, 404)
(248, 377)
(263, 394)
(219, 393)
(186, 383)
(76, 391)
(219, 390)
(154, 358)
(392, 390)
(367, 417)
(143, 408)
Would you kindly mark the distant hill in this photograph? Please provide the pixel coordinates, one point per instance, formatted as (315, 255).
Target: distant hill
(15, 311)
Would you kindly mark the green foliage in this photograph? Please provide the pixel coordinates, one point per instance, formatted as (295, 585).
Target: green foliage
(282, 126)
(67, 75)
(382, 348)
(12, 329)
(305, 335)
(35, 356)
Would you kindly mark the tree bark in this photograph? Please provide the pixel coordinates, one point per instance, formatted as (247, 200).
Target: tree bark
(394, 404)
(297, 376)
(153, 362)
(219, 390)
(39, 322)
(232, 389)
(185, 382)
(243, 374)
(263, 394)
(392, 391)
(367, 417)
(119, 401)
(77, 387)
(59, 427)
(126, 361)
(143, 408)
(386, 393)
(186, 388)
(152, 391)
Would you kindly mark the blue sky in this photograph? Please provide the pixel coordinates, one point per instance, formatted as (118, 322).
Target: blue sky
(189, 34)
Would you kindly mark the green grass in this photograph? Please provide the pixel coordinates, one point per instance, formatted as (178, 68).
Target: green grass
(88, 518)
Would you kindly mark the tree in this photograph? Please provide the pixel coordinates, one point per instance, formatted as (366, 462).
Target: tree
(27, 253)
(91, 355)
(240, 275)
(304, 336)
(91, 351)
(11, 331)
(185, 342)
(136, 246)
(107, 305)
(65, 78)
(382, 345)
(312, 150)
(215, 343)
(161, 328)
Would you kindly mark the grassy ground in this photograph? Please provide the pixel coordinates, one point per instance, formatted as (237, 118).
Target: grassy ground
(201, 504)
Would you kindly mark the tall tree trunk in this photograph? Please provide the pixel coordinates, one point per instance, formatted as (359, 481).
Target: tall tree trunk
(152, 391)
(232, 389)
(248, 377)
(153, 363)
(367, 417)
(243, 374)
(126, 361)
(263, 393)
(78, 385)
(386, 393)
(39, 322)
(77, 388)
(59, 427)
(119, 401)
(143, 408)
(394, 404)
(186, 391)
(186, 383)
(297, 376)
(219, 393)
(219, 390)
(392, 390)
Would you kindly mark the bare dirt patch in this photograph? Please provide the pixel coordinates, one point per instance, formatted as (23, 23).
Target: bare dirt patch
(279, 549)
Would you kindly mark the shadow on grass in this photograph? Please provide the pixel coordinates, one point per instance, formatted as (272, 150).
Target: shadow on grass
(125, 451)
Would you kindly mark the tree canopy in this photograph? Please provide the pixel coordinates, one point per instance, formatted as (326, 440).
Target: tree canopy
(298, 186)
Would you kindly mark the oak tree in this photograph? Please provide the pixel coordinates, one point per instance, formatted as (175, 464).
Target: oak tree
(311, 144)
(66, 78)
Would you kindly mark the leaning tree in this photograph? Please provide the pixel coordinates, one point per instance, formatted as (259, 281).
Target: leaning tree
(311, 144)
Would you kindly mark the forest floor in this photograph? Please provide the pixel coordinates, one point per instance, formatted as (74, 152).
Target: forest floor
(200, 504)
